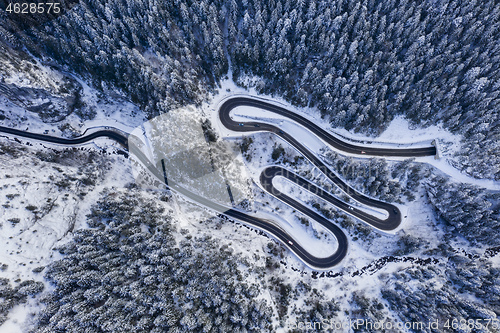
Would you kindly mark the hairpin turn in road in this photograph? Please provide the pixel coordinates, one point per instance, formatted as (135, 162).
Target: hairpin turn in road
(267, 176)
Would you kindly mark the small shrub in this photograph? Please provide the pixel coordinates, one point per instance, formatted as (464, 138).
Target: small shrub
(14, 220)
(31, 208)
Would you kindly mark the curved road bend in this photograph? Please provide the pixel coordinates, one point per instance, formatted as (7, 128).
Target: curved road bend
(266, 180)
(270, 228)
(233, 102)
(394, 218)
(114, 135)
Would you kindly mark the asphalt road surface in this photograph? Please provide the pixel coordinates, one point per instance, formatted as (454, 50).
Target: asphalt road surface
(113, 134)
(394, 215)
(269, 174)
(266, 178)
(330, 139)
(267, 226)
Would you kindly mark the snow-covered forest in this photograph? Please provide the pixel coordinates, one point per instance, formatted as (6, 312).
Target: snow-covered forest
(360, 62)
(126, 260)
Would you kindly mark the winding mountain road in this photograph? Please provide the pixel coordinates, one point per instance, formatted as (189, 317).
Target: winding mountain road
(267, 226)
(266, 180)
(113, 134)
(233, 102)
(394, 215)
(267, 176)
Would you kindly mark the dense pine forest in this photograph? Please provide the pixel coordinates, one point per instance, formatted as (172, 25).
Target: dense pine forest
(128, 274)
(361, 64)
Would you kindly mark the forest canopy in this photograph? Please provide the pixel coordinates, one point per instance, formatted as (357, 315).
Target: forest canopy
(360, 63)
